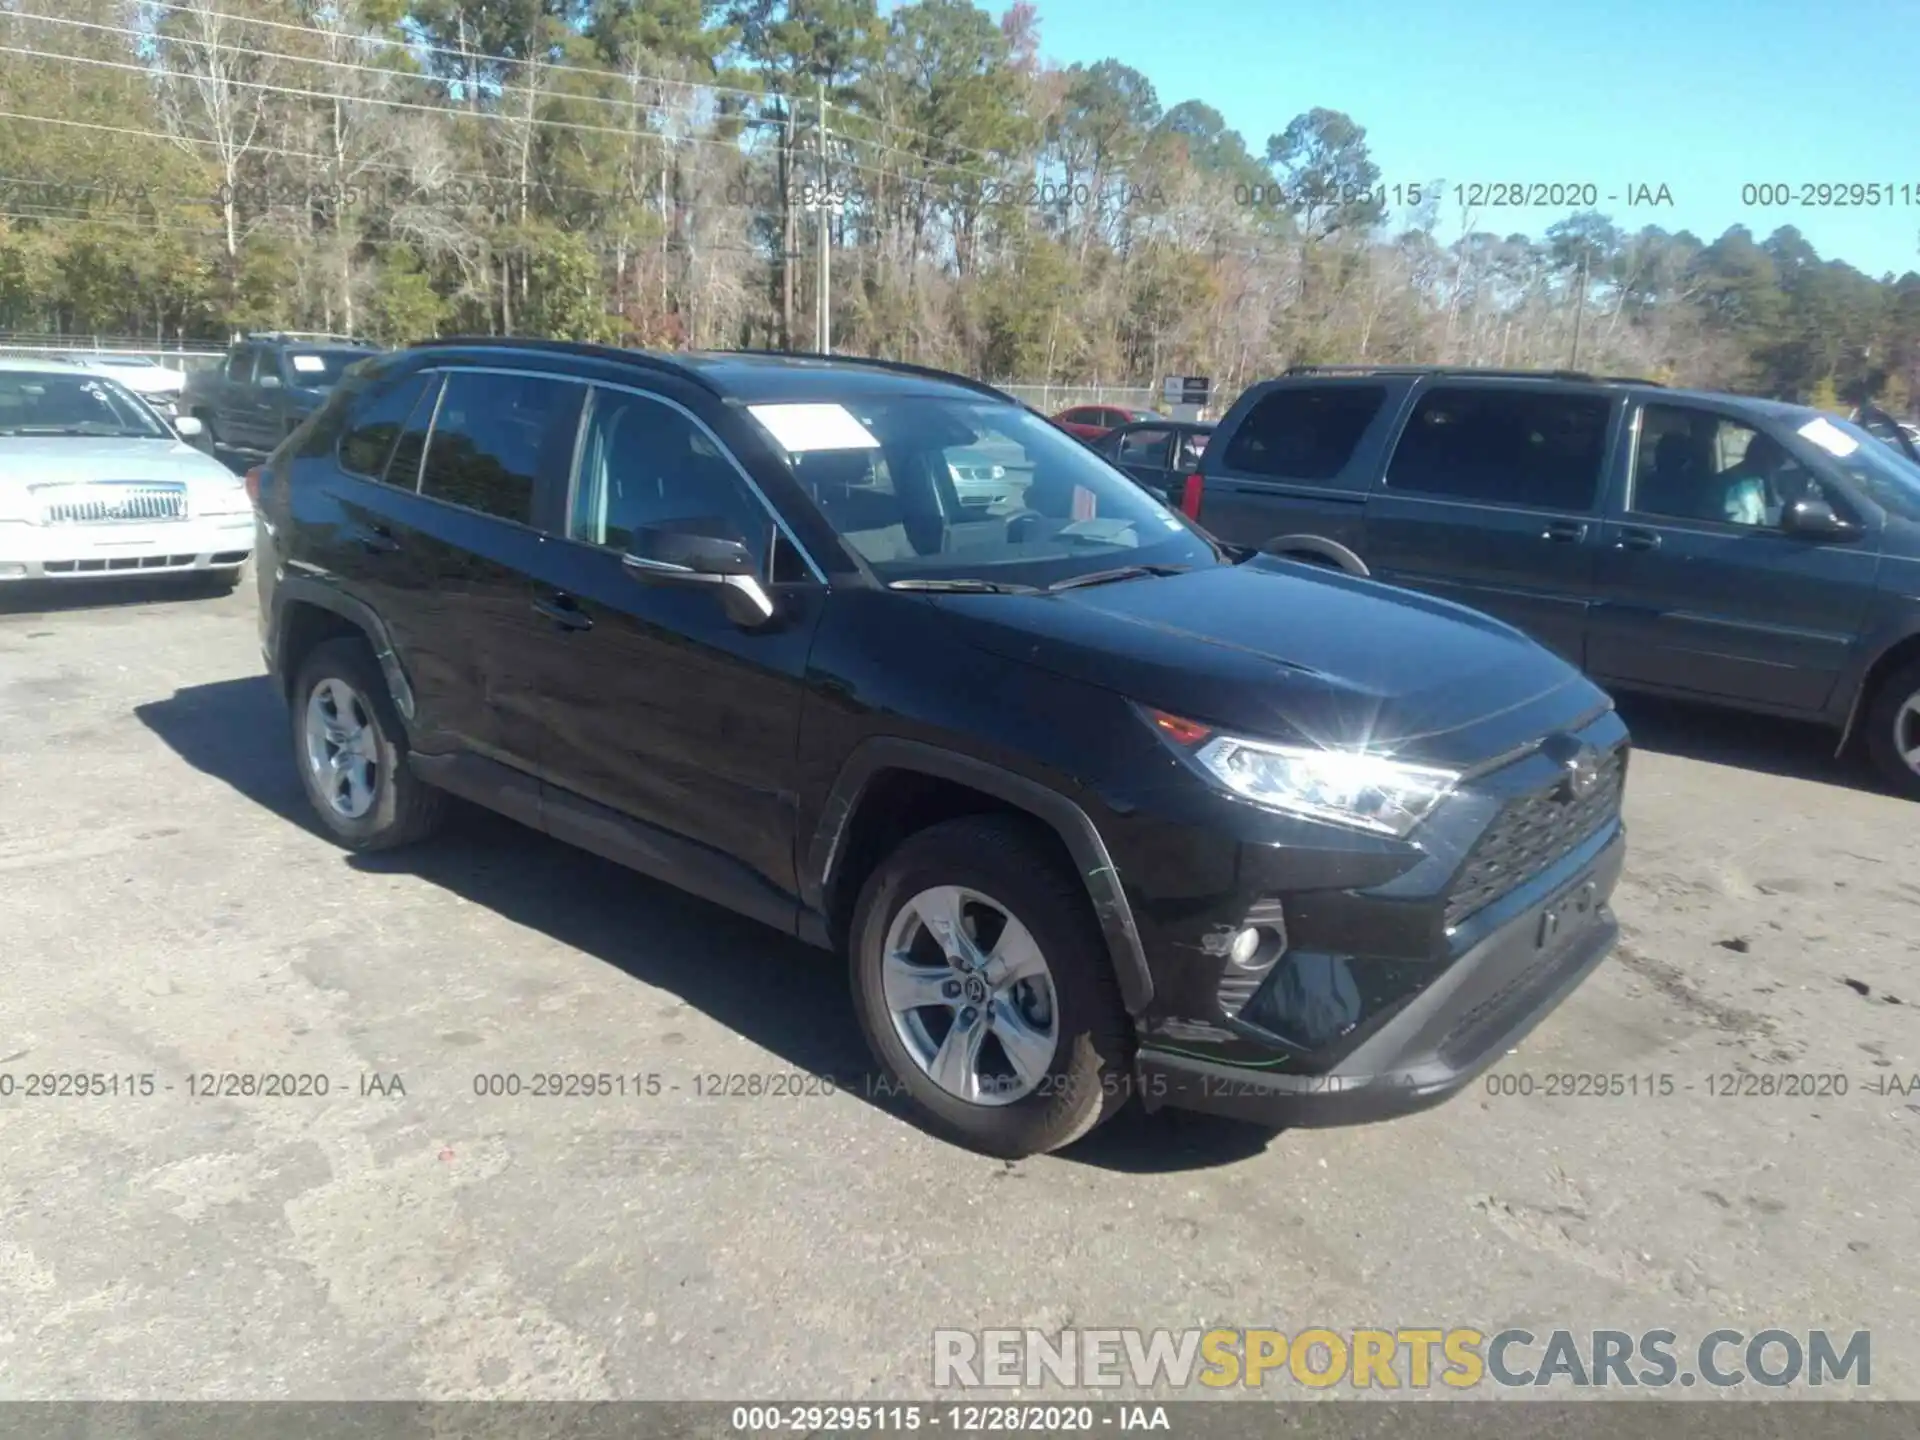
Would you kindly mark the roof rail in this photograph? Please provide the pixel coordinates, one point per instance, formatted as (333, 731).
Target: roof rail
(1471, 372)
(308, 335)
(900, 367)
(651, 359)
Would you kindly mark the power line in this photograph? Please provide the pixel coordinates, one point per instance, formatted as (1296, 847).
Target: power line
(437, 110)
(413, 75)
(470, 56)
(300, 92)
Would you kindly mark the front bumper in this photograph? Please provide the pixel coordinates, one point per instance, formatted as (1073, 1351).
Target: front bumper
(1478, 1008)
(80, 552)
(1389, 972)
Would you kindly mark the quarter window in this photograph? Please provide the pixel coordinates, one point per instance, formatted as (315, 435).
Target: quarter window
(1304, 432)
(1535, 448)
(493, 436)
(375, 425)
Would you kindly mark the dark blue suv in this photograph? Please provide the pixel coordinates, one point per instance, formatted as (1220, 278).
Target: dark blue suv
(1705, 546)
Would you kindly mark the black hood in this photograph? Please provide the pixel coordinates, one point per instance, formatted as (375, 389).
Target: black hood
(1274, 649)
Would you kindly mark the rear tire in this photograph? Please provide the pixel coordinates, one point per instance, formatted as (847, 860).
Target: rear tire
(1015, 1096)
(351, 751)
(1893, 730)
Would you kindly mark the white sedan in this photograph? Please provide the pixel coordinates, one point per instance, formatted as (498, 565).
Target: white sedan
(153, 382)
(93, 483)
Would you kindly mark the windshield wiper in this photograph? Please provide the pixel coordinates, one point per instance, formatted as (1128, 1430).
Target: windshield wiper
(1124, 572)
(966, 586)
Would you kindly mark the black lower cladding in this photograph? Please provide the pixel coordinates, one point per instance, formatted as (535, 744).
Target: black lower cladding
(1434, 1043)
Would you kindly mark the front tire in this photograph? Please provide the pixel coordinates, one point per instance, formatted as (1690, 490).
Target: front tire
(351, 752)
(984, 987)
(1893, 730)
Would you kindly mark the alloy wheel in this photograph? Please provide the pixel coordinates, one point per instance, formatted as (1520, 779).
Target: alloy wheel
(1906, 732)
(970, 995)
(342, 748)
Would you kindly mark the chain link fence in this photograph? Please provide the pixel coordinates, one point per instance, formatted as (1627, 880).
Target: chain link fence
(177, 355)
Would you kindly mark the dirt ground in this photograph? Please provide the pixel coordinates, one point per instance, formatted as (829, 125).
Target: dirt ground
(166, 910)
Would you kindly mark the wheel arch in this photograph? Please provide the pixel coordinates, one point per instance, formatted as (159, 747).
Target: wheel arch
(1317, 549)
(309, 613)
(1900, 652)
(890, 788)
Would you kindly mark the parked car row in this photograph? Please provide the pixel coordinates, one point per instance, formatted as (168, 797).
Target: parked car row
(1232, 765)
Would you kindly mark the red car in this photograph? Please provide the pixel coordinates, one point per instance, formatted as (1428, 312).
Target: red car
(1091, 422)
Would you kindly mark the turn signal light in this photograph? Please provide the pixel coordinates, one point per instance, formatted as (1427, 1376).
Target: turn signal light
(1181, 732)
(252, 482)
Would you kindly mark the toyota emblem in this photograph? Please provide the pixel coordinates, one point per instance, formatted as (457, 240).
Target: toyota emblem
(1583, 771)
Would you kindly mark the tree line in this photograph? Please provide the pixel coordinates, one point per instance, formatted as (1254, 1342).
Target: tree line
(661, 172)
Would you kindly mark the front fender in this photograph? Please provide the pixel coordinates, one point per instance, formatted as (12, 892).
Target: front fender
(1062, 815)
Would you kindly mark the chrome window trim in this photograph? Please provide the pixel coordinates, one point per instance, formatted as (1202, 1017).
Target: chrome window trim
(433, 423)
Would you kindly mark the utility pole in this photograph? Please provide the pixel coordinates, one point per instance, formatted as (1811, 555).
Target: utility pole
(823, 302)
(1579, 309)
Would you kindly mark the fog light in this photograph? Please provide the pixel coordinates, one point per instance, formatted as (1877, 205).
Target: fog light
(1245, 945)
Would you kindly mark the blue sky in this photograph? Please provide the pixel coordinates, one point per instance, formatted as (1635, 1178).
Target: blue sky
(1703, 96)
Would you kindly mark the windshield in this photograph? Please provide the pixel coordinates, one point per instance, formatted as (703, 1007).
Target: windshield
(320, 369)
(930, 489)
(34, 402)
(1892, 480)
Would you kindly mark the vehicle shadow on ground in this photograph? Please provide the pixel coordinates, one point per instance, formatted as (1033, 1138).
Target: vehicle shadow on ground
(53, 597)
(1788, 748)
(790, 998)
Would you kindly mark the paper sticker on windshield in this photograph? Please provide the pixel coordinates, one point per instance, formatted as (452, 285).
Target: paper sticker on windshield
(800, 428)
(1829, 437)
(309, 364)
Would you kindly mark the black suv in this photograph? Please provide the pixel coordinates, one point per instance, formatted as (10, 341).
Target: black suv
(267, 385)
(1705, 546)
(1095, 806)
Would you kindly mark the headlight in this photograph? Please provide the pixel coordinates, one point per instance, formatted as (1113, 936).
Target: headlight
(1344, 787)
(224, 501)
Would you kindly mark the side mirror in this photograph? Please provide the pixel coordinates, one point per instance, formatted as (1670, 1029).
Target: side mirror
(705, 553)
(188, 427)
(269, 382)
(1816, 520)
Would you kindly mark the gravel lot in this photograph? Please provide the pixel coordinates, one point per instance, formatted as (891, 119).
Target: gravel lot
(166, 908)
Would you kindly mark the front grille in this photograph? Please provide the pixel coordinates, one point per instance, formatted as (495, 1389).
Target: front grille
(112, 502)
(1531, 833)
(117, 563)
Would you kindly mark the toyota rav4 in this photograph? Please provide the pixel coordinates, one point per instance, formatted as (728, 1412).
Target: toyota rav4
(1094, 805)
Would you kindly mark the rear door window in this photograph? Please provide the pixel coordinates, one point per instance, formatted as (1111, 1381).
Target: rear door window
(493, 437)
(1536, 449)
(1303, 432)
